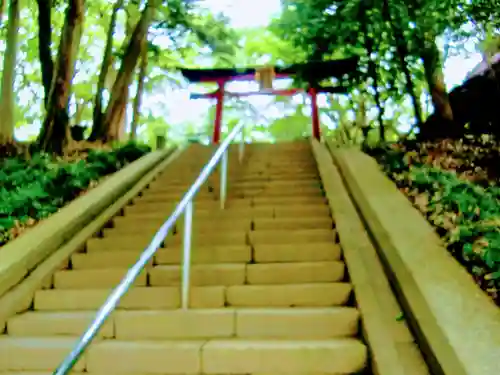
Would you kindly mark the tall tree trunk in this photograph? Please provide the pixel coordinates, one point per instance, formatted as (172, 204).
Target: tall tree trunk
(361, 118)
(372, 71)
(426, 42)
(140, 90)
(2, 10)
(435, 80)
(117, 130)
(119, 93)
(7, 122)
(80, 108)
(55, 130)
(402, 52)
(77, 131)
(44, 43)
(107, 60)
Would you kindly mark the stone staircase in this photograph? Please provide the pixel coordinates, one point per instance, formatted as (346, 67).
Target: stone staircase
(269, 291)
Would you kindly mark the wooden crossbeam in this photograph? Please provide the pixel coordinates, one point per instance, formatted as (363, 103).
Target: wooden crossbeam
(276, 92)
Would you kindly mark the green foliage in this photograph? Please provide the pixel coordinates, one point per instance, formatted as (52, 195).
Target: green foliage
(396, 40)
(463, 212)
(182, 31)
(35, 188)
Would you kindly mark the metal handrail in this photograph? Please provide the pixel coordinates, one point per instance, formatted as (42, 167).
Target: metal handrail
(185, 206)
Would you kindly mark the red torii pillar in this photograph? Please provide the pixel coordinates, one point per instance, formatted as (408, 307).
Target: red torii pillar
(219, 95)
(315, 113)
(219, 107)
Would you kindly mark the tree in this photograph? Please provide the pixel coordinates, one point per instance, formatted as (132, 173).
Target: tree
(193, 31)
(141, 76)
(431, 19)
(44, 43)
(2, 6)
(113, 116)
(106, 128)
(103, 74)
(8, 76)
(55, 130)
(405, 33)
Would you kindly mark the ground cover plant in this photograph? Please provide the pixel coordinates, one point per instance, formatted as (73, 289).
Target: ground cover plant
(32, 188)
(454, 185)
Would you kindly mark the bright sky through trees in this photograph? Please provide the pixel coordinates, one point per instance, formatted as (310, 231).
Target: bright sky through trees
(258, 13)
(175, 107)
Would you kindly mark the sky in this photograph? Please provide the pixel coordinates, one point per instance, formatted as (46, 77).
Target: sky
(246, 13)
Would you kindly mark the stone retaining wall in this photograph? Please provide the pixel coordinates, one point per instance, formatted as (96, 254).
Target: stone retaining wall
(19, 257)
(460, 324)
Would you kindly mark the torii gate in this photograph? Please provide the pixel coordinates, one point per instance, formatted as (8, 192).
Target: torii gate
(311, 72)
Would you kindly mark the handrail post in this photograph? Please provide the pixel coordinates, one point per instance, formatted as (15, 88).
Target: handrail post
(186, 255)
(241, 149)
(223, 180)
(185, 207)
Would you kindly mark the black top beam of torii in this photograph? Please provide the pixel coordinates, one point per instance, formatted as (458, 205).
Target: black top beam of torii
(311, 72)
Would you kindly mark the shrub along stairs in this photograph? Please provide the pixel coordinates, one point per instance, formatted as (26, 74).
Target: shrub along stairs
(269, 289)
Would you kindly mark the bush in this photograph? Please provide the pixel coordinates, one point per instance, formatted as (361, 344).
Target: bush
(32, 189)
(466, 215)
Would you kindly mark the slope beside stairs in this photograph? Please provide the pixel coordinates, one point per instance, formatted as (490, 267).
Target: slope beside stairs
(269, 291)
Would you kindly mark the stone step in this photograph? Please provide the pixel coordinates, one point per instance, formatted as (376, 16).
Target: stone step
(213, 205)
(94, 278)
(158, 210)
(294, 273)
(272, 323)
(203, 194)
(125, 225)
(249, 186)
(204, 254)
(275, 192)
(272, 175)
(243, 174)
(281, 201)
(174, 198)
(255, 176)
(235, 194)
(312, 252)
(305, 236)
(60, 323)
(292, 223)
(298, 323)
(36, 354)
(286, 163)
(154, 298)
(260, 224)
(236, 184)
(285, 169)
(288, 295)
(105, 260)
(128, 225)
(280, 158)
(131, 242)
(205, 275)
(213, 254)
(140, 298)
(165, 208)
(334, 356)
(230, 213)
(171, 179)
(218, 356)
